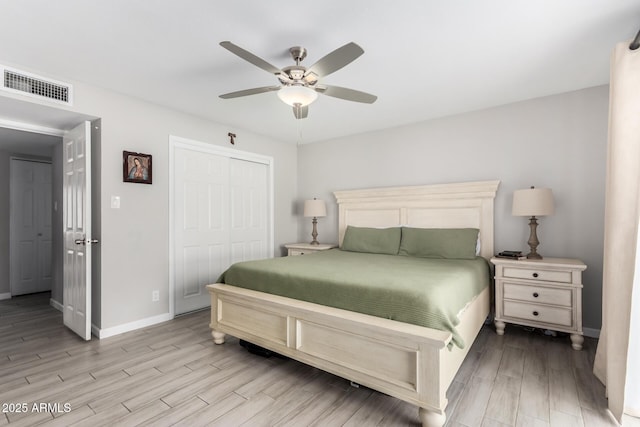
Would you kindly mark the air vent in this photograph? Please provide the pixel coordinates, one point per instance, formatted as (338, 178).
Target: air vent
(35, 86)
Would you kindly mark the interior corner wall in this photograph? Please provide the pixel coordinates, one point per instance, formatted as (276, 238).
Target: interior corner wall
(5, 159)
(558, 141)
(96, 224)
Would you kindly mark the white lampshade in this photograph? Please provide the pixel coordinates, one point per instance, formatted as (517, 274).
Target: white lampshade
(533, 202)
(315, 208)
(293, 95)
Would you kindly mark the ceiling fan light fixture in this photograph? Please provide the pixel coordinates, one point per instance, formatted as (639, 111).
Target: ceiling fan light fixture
(301, 95)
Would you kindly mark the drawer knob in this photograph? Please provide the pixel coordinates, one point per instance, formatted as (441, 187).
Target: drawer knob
(535, 295)
(535, 313)
(535, 274)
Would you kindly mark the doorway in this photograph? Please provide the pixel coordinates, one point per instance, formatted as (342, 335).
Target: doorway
(63, 199)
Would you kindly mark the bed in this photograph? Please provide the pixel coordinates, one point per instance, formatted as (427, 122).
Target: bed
(411, 362)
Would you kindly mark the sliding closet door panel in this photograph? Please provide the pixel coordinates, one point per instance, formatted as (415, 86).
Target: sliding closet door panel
(201, 225)
(249, 210)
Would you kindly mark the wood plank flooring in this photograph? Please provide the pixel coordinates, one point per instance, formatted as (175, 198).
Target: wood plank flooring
(173, 374)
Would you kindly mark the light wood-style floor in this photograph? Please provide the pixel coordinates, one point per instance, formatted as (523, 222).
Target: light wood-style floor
(172, 374)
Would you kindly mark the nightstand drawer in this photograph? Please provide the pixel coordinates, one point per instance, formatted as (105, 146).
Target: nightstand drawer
(538, 313)
(295, 249)
(537, 274)
(537, 294)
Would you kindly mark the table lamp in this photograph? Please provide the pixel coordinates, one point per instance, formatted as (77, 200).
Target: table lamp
(317, 209)
(533, 202)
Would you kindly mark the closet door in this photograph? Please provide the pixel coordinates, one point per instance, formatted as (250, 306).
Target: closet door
(201, 206)
(31, 232)
(249, 210)
(221, 215)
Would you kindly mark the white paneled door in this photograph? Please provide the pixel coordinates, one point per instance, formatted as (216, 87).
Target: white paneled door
(248, 210)
(77, 230)
(201, 231)
(31, 210)
(220, 216)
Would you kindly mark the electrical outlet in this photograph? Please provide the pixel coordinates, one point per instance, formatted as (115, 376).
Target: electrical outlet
(155, 296)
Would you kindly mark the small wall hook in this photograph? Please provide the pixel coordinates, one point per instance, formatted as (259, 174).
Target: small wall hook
(231, 138)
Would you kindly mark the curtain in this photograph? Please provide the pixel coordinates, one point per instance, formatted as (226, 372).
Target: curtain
(621, 225)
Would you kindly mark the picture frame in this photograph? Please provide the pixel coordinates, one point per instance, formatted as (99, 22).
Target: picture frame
(136, 167)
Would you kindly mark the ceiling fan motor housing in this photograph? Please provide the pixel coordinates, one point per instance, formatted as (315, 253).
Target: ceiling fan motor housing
(298, 53)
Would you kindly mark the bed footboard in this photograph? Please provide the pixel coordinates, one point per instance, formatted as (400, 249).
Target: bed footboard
(406, 361)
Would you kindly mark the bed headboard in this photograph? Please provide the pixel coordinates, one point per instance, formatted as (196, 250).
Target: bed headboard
(459, 205)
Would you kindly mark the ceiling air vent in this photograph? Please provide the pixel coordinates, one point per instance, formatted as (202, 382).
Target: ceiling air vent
(35, 86)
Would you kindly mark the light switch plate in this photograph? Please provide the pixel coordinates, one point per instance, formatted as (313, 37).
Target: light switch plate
(115, 202)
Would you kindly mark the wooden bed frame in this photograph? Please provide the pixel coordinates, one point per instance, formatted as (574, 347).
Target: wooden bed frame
(406, 361)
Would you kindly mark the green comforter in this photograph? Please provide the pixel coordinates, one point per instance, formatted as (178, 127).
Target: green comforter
(422, 291)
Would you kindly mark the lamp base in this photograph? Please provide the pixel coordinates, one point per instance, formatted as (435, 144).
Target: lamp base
(314, 233)
(533, 239)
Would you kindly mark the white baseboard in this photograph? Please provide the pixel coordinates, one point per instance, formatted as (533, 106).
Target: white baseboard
(55, 304)
(131, 326)
(592, 333)
(6, 295)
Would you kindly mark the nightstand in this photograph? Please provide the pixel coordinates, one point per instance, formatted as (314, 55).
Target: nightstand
(307, 248)
(545, 293)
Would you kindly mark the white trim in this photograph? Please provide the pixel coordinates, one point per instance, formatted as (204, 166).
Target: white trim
(190, 144)
(29, 127)
(55, 304)
(6, 295)
(591, 333)
(131, 326)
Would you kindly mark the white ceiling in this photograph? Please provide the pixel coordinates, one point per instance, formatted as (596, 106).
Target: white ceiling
(423, 58)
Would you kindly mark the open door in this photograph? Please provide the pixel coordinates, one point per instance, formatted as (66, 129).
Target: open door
(77, 230)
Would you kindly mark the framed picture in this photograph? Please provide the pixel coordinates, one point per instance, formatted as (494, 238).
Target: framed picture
(136, 167)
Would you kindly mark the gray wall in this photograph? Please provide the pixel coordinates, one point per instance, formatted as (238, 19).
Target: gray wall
(557, 141)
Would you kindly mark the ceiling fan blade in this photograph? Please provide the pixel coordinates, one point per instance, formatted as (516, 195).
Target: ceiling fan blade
(250, 57)
(348, 94)
(300, 112)
(248, 92)
(336, 60)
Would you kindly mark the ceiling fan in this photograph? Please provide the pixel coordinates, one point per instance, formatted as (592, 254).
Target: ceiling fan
(299, 85)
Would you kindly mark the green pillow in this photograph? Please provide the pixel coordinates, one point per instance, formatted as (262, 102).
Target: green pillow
(458, 243)
(372, 240)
